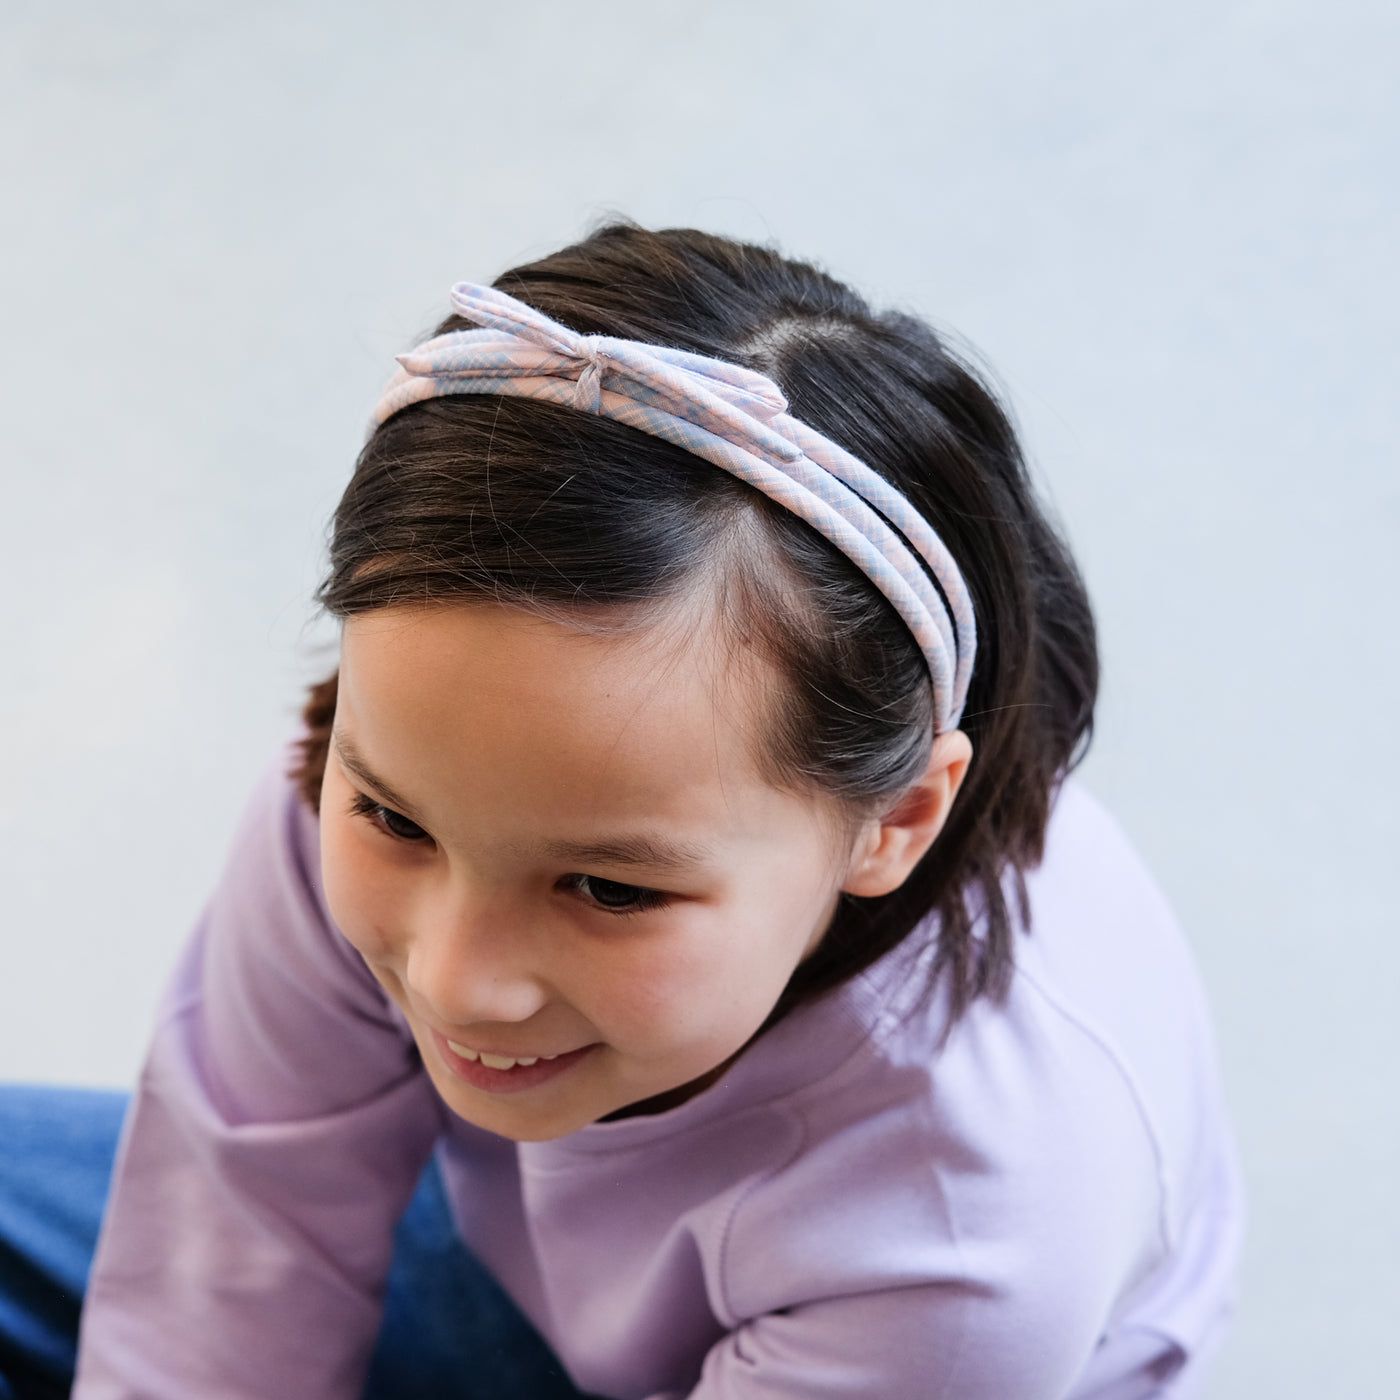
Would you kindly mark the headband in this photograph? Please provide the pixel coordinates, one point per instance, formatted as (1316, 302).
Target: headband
(731, 416)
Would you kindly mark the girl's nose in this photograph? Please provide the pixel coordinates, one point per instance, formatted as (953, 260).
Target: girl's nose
(467, 964)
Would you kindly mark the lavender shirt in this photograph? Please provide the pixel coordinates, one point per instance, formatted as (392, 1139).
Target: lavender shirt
(1045, 1205)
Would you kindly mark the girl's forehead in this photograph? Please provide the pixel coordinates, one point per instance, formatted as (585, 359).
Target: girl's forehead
(531, 716)
(437, 661)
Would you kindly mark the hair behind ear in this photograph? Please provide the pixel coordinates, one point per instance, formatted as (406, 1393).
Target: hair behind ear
(318, 719)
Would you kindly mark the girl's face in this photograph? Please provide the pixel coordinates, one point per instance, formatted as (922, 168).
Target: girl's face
(554, 851)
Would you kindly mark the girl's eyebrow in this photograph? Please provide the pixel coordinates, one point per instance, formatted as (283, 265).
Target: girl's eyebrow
(354, 764)
(656, 853)
(653, 852)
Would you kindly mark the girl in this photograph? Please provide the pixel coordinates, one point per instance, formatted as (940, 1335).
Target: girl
(681, 866)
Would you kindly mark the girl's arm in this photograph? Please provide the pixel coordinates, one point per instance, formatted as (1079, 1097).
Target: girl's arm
(279, 1128)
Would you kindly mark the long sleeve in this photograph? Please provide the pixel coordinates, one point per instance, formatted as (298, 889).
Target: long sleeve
(280, 1124)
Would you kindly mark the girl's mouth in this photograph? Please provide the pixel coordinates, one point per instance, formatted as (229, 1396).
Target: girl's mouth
(503, 1074)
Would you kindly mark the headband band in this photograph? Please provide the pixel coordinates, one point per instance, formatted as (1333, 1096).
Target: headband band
(731, 416)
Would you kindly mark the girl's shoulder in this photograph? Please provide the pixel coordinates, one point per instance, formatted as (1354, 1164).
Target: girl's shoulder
(1104, 1020)
(1105, 962)
(1099, 946)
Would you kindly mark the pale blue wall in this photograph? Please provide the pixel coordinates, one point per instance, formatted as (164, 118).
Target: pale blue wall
(1171, 229)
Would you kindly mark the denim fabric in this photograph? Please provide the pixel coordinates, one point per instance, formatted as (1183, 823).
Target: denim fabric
(56, 1150)
(449, 1331)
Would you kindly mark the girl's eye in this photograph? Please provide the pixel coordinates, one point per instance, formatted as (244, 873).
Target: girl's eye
(614, 896)
(395, 823)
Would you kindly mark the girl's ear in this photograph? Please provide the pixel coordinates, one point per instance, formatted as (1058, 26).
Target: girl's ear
(889, 847)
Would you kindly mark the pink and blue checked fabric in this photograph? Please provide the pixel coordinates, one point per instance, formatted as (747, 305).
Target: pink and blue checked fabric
(729, 416)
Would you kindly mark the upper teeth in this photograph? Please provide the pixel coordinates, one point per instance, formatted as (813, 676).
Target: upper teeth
(496, 1061)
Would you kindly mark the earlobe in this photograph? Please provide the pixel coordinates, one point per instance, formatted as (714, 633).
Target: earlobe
(889, 847)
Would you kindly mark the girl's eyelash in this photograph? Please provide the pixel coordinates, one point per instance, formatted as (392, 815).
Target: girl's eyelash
(385, 817)
(598, 891)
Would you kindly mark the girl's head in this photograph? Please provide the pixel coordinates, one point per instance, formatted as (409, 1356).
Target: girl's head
(567, 640)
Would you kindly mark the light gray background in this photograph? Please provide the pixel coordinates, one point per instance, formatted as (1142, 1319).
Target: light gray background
(1172, 230)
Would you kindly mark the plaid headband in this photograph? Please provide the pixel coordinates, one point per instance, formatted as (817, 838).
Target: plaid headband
(730, 416)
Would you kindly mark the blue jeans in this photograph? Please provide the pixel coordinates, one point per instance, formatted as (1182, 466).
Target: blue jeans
(449, 1332)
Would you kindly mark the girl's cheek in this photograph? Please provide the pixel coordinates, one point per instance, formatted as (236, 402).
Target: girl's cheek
(359, 893)
(372, 937)
(673, 988)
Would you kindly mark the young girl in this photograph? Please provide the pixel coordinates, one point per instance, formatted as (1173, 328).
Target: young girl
(681, 869)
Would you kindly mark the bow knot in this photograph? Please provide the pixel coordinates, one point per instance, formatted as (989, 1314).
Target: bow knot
(588, 393)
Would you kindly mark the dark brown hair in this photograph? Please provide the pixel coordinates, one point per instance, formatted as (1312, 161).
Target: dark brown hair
(516, 501)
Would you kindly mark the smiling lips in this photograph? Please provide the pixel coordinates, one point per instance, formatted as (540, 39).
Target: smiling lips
(496, 1061)
(503, 1074)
